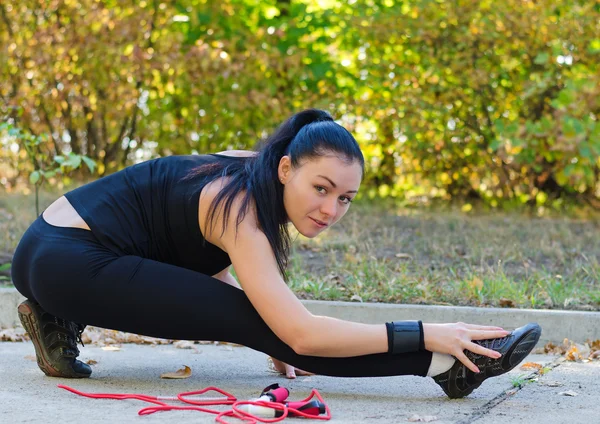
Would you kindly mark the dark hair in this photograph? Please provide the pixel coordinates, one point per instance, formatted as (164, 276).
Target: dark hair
(307, 134)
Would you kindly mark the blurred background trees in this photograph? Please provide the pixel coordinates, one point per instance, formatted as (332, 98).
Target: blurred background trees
(492, 100)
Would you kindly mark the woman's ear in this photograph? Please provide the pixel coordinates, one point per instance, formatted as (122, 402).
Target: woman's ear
(285, 169)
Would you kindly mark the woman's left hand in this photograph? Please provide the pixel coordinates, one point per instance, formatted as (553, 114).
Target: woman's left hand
(288, 370)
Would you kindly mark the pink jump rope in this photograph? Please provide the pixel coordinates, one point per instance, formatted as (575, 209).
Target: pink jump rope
(270, 407)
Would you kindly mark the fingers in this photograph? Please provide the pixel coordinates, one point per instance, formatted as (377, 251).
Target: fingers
(463, 358)
(483, 334)
(483, 327)
(480, 350)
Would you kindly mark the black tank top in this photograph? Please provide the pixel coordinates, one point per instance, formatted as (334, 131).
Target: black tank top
(147, 210)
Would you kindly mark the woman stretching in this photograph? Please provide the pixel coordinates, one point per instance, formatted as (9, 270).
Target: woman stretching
(148, 250)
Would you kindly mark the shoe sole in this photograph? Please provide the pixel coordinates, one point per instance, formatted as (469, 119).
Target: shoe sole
(30, 323)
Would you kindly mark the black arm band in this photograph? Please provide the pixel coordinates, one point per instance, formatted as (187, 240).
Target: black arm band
(405, 336)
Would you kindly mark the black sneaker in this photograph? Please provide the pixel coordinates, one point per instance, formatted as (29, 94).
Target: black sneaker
(55, 342)
(459, 381)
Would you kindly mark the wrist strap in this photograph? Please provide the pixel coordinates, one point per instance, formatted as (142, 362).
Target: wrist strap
(405, 336)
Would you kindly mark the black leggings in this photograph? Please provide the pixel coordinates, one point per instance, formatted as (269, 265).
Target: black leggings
(72, 276)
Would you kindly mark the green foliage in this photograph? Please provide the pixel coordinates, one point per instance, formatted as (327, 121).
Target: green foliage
(44, 168)
(495, 100)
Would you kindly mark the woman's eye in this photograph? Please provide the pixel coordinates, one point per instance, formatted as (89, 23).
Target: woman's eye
(320, 189)
(346, 200)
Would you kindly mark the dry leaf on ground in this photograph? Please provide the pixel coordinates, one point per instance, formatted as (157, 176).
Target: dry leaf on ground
(13, 335)
(184, 344)
(356, 298)
(422, 418)
(91, 362)
(573, 351)
(533, 366)
(506, 303)
(568, 393)
(551, 383)
(111, 348)
(182, 373)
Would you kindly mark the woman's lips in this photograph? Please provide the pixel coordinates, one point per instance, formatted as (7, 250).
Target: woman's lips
(320, 224)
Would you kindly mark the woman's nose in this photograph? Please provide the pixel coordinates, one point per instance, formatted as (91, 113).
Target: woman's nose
(329, 207)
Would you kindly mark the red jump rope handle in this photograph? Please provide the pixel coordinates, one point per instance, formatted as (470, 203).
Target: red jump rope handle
(314, 407)
(275, 393)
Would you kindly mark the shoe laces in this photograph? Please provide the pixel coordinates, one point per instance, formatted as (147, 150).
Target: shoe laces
(494, 344)
(79, 328)
(67, 334)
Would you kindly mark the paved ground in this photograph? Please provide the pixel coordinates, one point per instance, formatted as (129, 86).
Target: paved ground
(28, 396)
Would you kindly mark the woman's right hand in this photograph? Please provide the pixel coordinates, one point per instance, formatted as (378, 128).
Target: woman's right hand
(454, 338)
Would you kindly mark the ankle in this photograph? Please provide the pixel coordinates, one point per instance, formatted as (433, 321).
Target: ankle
(440, 363)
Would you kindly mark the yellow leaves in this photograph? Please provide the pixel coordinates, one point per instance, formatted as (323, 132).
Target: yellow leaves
(384, 190)
(271, 12)
(128, 50)
(185, 372)
(170, 87)
(476, 284)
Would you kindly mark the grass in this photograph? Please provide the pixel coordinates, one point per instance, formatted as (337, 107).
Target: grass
(429, 257)
(386, 254)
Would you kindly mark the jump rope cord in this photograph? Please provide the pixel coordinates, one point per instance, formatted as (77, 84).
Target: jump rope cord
(228, 399)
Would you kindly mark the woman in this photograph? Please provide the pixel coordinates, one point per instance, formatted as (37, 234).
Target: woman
(148, 250)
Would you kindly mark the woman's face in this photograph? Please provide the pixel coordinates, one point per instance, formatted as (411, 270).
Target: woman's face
(318, 192)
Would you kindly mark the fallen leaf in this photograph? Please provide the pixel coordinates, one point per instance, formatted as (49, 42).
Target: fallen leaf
(424, 418)
(403, 256)
(356, 297)
(573, 354)
(91, 362)
(551, 383)
(531, 366)
(184, 344)
(182, 373)
(111, 348)
(506, 303)
(568, 393)
(13, 335)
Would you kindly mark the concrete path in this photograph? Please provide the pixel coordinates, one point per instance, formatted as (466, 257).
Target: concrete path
(28, 396)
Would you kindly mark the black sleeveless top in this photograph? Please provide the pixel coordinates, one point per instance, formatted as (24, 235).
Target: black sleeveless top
(147, 210)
